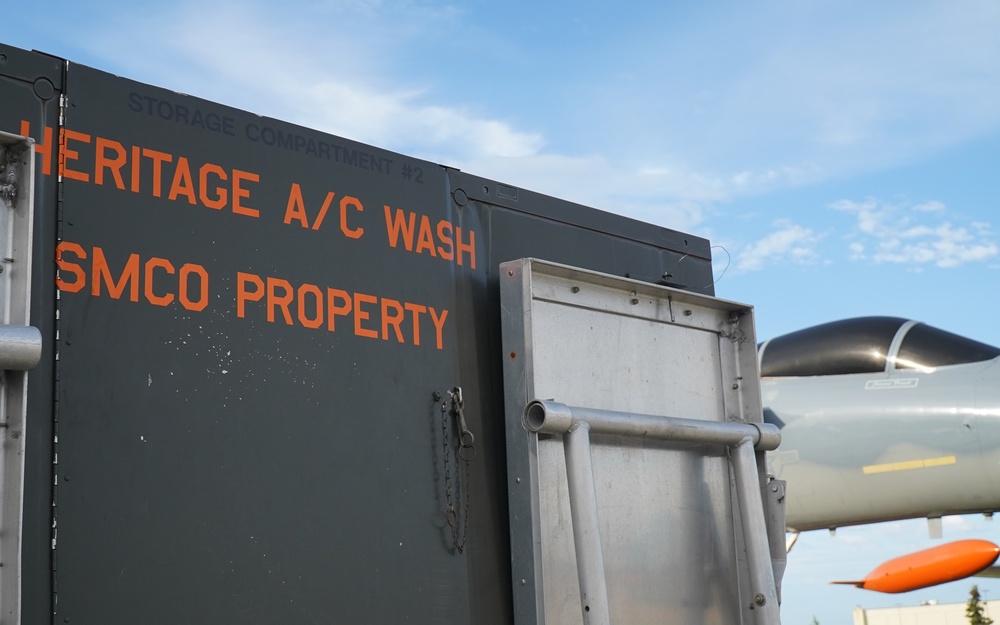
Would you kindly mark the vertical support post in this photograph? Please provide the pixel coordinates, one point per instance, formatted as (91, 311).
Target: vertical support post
(765, 596)
(586, 527)
(20, 350)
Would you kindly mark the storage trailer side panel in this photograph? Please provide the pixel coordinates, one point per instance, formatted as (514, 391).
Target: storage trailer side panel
(253, 320)
(247, 365)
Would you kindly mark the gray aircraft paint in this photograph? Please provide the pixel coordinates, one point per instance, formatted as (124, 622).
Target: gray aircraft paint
(900, 443)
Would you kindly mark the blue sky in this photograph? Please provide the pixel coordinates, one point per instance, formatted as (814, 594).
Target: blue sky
(843, 156)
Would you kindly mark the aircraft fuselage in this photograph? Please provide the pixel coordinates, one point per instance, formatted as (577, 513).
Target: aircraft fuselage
(902, 443)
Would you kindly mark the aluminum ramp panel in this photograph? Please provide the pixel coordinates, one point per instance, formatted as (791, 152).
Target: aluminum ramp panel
(635, 453)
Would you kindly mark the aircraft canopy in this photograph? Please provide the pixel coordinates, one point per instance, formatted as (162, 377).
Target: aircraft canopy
(867, 345)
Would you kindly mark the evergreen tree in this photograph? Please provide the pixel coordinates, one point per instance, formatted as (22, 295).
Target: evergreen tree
(974, 609)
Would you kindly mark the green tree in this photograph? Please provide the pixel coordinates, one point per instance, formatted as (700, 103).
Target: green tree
(974, 609)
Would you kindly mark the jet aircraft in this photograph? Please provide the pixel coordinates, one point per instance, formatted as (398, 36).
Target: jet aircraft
(882, 419)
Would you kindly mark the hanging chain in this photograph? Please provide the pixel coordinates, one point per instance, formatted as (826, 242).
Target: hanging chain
(466, 452)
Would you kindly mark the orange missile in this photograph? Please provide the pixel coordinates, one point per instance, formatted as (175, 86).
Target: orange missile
(937, 565)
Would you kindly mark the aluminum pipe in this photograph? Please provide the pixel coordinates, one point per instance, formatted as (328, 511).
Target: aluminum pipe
(20, 347)
(551, 417)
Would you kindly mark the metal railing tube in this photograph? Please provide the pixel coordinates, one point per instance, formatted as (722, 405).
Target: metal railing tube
(765, 597)
(20, 347)
(586, 526)
(551, 417)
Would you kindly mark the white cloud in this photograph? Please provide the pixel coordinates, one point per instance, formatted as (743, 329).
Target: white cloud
(399, 120)
(787, 243)
(899, 234)
(352, 89)
(869, 216)
(667, 197)
(843, 90)
(804, 104)
(347, 87)
(932, 206)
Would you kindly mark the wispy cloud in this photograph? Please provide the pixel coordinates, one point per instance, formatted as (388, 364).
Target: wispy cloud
(666, 144)
(918, 235)
(401, 119)
(673, 198)
(930, 207)
(788, 242)
(356, 89)
(343, 88)
(840, 91)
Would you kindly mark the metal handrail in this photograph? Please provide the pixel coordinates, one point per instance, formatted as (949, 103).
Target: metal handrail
(575, 424)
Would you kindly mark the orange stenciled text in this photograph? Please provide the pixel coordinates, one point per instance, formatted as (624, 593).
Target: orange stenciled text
(295, 212)
(337, 310)
(102, 161)
(443, 240)
(156, 280)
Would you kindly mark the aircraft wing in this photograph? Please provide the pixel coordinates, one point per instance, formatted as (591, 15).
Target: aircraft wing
(990, 571)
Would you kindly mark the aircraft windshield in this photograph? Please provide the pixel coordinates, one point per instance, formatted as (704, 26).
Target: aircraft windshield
(863, 345)
(927, 346)
(847, 346)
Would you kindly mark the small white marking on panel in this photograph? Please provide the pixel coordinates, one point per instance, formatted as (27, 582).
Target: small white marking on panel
(877, 385)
